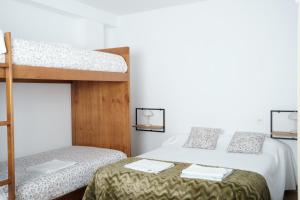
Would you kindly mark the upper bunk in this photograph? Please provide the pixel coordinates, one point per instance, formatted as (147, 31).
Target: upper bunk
(53, 62)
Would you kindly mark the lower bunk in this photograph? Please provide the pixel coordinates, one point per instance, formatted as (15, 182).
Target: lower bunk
(44, 176)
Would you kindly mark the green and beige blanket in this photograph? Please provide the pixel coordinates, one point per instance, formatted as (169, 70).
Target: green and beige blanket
(116, 182)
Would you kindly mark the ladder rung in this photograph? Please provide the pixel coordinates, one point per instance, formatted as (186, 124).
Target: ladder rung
(3, 65)
(4, 123)
(4, 182)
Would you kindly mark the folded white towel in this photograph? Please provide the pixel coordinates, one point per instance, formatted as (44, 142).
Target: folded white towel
(150, 166)
(51, 166)
(2, 43)
(202, 177)
(208, 173)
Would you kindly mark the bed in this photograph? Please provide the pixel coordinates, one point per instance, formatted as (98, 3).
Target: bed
(36, 186)
(271, 172)
(43, 54)
(100, 85)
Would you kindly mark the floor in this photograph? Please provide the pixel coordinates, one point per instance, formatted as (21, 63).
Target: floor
(291, 195)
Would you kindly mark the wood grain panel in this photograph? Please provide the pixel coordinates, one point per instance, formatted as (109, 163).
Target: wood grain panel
(125, 53)
(100, 115)
(101, 111)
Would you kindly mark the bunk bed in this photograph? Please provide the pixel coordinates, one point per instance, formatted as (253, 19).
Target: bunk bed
(100, 98)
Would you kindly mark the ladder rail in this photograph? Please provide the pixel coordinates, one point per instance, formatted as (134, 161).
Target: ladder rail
(10, 119)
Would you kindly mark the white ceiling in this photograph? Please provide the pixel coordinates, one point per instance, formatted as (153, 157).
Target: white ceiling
(123, 7)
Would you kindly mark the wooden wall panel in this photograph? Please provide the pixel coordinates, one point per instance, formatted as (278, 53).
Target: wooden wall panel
(101, 115)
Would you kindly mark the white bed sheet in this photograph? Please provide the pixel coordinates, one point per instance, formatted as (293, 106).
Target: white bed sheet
(275, 164)
(45, 54)
(36, 186)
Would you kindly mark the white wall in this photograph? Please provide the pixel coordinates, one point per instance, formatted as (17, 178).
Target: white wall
(27, 22)
(30, 22)
(214, 63)
(42, 118)
(42, 111)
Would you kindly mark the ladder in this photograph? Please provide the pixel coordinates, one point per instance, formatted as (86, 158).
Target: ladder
(9, 123)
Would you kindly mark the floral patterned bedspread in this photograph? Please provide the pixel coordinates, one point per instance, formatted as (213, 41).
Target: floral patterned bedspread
(57, 55)
(34, 186)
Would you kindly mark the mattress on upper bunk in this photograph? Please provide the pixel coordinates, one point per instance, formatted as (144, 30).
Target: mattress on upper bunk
(40, 186)
(43, 54)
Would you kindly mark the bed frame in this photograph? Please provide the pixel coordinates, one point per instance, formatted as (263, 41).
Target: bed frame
(100, 106)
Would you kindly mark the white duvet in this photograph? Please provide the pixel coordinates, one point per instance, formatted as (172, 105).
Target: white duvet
(275, 164)
(43, 54)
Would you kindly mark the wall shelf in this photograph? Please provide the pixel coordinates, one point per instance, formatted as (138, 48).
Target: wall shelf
(284, 135)
(144, 126)
(158, 126)
(279, 134)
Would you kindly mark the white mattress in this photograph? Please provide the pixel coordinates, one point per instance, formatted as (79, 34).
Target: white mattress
(34, 186)
(275, 164)
(44, 54)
